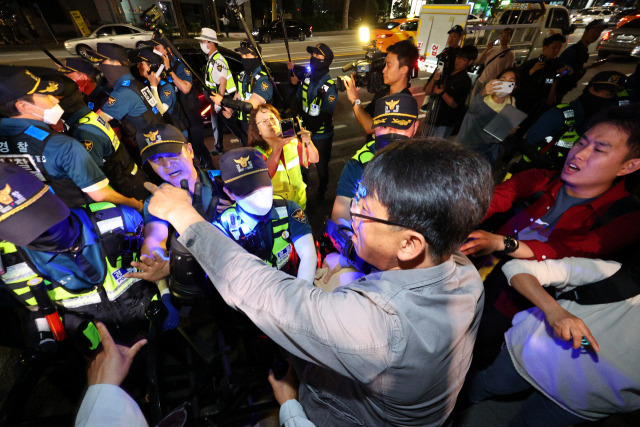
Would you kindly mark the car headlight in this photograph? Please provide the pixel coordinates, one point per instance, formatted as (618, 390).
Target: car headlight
(254, 33)
(636, 51)
(364, 34)
(382, 36)
(66, 44)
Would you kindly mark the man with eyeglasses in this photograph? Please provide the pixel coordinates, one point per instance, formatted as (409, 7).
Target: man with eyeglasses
(393, 347)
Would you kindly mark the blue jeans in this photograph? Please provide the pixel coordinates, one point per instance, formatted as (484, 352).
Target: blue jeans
(502, 379)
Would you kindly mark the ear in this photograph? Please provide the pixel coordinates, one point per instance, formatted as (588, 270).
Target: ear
(413, 247)
(629, 166)
(229, 193)
(23, 107)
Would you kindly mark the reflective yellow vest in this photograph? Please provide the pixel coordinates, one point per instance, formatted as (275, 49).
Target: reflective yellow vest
(287, 181)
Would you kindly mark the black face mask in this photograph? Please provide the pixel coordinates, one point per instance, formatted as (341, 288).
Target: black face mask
(318, 68)
(62, 237)
(594, 104)
(113, 72)
(72, 103)
(250, 64)
(386, 139)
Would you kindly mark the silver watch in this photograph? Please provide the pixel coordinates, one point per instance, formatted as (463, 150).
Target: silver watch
(357, 102)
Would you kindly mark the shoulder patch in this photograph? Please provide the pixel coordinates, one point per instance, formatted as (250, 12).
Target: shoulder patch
(88, 145)
(167, 93)
(332, 99)
(187, 72)
(299, 216)
(111, 101)
(265, 86)
(219, 67)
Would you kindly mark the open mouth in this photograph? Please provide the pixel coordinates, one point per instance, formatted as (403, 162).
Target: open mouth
(174, 173)
(571, 167)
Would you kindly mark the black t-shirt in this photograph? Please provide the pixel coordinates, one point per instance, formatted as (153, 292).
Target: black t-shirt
(534, 89)
(458, 87)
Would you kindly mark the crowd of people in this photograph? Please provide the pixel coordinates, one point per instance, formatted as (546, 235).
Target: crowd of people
(436, 282)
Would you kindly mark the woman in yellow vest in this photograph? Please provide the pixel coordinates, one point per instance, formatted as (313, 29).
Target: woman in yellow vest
(284, 156)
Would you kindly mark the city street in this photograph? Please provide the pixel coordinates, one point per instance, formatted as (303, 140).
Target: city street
(349, 136)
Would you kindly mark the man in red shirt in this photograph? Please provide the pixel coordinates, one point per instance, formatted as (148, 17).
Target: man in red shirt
(585, 211)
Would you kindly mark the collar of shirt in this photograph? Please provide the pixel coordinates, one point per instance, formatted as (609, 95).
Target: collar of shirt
(14, 126)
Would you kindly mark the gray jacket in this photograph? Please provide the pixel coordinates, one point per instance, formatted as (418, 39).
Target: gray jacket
(392, 348)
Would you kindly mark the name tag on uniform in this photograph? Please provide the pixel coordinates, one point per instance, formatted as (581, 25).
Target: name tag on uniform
(283, 256)
(315, 110)
(146, 92)
(118, 275)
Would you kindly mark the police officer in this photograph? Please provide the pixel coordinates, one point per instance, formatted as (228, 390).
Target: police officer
(270, 227)
(151, 68)
(181, 77)
(254, 89)
(81, 254)
(102, 143)
(130, 102)
(83, 73)
(555, 132)
(396, 117)
(29, 107)
(171, 157)
(319, 97)
(218, 79)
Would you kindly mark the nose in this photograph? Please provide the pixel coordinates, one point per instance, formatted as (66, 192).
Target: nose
(164, 161)
(584, 152)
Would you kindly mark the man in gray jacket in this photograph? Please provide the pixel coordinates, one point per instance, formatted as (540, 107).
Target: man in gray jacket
(393, 347)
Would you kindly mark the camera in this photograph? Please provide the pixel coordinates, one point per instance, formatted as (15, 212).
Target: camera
(151, 16)
(368, 71)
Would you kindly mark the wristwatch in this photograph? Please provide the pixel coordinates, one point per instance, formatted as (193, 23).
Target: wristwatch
(510, 245)
(357, 102)
(170, 70)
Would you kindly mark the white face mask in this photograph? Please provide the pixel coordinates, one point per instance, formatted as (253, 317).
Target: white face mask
(258, 202)
(52, 115)
(204, 48)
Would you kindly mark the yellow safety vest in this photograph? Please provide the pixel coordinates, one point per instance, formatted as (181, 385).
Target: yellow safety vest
(287, 181)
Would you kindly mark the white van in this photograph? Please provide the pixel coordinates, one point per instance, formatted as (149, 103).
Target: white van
(531, 22)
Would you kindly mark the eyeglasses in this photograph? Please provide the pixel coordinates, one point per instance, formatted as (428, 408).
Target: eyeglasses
(271, 120)
(355, 205)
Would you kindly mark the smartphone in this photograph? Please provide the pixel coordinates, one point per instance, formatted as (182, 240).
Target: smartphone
(288, 128)
(440, 66)
(504, 87)
(562, 73)
(496, 42)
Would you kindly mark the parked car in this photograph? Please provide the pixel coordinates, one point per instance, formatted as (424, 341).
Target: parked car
(474, 20)
(295, 30)
(628, 15)
(621, 41)
(123, 34)
(584, 16)
(384, 35)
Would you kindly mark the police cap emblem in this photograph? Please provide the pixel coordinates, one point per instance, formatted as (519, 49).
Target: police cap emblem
(5, 195)
(53, 87)
(242, 161)
(151, 136)
(391, 105)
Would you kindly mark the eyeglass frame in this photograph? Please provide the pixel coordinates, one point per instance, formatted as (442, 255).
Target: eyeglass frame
(272, 120)
(355, 201)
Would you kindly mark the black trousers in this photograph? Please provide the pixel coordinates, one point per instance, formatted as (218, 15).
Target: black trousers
(323, 144)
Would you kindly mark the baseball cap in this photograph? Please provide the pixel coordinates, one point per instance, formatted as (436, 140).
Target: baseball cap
(247, 47)
(146, 54)
(456, 29)
(322, 49)
(158, 139)
(595, 23)
(208, 35)
(106, 51)
(27, 207)
(79, 65)
(612, 80)
(398, 111)
(16, 82)
(243, 170)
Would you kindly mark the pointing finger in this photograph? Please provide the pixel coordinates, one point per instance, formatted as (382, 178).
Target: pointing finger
(152, 188)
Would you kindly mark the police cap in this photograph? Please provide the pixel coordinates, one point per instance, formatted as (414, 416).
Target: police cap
(399, 111)
(159, 139)
(16, 82)
(106, 51)
(79, 65)
(322, 49)
(243, 170)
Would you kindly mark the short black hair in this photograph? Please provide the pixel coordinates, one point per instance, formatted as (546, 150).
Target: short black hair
(554, 38)
(468, 52)
(625, 118)
(407, 53)
(8, 109)
(435, 187)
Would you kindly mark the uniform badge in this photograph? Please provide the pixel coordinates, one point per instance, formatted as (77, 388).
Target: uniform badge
(243, 164)
(88, 145)
(187, 72)
(299, 216)
(265, 86)
(151, 136)
(5, 195)
(391, 106)
(332, 99)
(167, 93)
(111, 101)
(219, 67)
